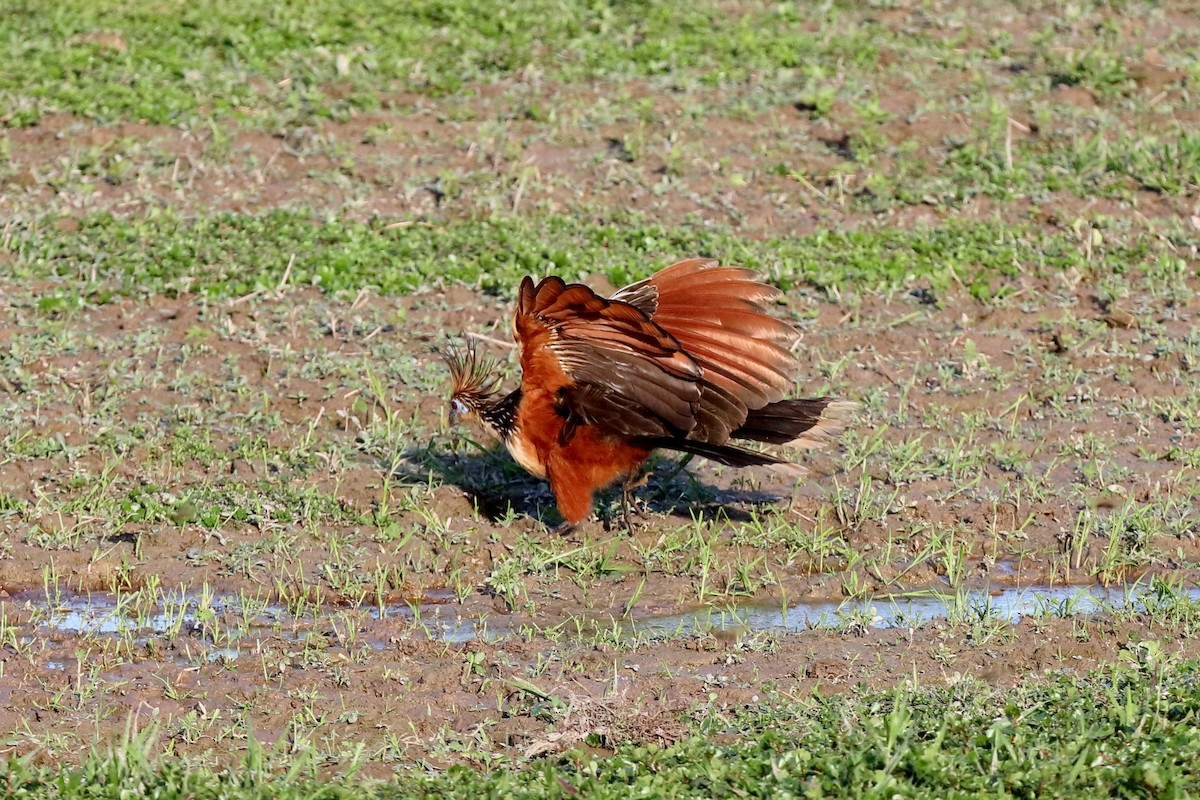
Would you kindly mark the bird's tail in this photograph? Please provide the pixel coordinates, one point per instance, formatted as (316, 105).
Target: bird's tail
(807, 423)
(799, 424)
(727, 454)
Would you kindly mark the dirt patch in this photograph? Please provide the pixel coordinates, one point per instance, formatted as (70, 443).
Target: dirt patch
(777, 169)
(377, 684)
(303, 551)
(291, 451)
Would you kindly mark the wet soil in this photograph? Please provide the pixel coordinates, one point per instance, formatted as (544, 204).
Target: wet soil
(348, 678)
(553, 663)
(356, 573)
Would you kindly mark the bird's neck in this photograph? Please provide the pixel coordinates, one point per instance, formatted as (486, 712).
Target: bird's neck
(500, 416)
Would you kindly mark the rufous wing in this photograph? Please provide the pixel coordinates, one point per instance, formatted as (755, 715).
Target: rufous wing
(717, 316)
(607, 362)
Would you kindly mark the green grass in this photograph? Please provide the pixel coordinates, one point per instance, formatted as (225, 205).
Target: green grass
(230, 255)
(219, 407)
(853, 112)
(166, 63)
(170, 63)
(1129, 730)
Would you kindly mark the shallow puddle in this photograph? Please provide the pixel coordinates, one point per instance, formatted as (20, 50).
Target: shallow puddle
(914, 609)
(228, 621)
(231, 622)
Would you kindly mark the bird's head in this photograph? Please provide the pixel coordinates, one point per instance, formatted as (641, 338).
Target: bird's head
(474, 382)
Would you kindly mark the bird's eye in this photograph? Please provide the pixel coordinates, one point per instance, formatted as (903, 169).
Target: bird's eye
(458, 407)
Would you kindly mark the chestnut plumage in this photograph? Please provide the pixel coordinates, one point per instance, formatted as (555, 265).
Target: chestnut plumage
(686, 360)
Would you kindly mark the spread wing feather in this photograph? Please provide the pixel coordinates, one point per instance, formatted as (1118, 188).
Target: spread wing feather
(717, 316)
(608, 362)
(687, 358)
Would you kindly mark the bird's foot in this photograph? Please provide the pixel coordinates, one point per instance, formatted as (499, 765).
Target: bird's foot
(563, 529)
(627, 503)
(613, 523)
(627, 497)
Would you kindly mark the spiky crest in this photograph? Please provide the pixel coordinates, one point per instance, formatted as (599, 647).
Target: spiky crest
(474, 376)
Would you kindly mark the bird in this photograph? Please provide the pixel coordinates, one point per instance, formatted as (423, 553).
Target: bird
(687, 360)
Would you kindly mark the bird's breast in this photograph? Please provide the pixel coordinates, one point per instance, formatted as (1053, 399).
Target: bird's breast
(525, 454)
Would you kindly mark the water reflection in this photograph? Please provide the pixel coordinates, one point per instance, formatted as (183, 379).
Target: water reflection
(230, 622)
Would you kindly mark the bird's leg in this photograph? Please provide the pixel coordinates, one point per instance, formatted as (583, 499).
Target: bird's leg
(632, 481)
(626, 491)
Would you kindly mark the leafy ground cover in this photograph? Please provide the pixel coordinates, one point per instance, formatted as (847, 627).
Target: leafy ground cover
(1116, 732)
(236, 529)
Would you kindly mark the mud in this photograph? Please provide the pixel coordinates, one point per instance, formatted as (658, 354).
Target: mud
(390, 624)
(248, 517)
(410, 690)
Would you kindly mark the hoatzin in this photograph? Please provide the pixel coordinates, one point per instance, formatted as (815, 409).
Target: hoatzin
(685, 360)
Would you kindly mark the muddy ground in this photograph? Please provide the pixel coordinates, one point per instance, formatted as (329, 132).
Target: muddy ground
(247, 517)
(527, 612)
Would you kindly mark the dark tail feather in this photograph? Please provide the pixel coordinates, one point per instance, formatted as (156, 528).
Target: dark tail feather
(781, 422)
(799, 424)
(727, 454)
(807, 423)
